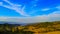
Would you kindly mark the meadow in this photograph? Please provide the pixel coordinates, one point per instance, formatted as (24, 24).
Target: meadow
(34, 28)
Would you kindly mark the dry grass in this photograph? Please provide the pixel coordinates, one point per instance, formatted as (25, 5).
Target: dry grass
(44, 28)
(37, 28)
(55, 32)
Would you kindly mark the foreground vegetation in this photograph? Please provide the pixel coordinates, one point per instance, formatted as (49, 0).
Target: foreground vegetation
(35, 28)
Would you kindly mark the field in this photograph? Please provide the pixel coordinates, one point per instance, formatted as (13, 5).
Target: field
(34, 28)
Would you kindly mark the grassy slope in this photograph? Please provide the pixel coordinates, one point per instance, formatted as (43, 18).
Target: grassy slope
(44, 27)
(37, 28)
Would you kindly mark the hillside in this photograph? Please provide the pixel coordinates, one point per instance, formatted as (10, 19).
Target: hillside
(34, 28)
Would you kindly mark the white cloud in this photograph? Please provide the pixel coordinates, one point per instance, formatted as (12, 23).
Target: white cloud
(58, 7)
(8, 2)
(55, 16)
(45, 9)
(15, 7)
(1, 3)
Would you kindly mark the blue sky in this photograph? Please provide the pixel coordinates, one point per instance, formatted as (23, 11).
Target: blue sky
(30, 9)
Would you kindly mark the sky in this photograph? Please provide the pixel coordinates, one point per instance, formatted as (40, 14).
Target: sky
(29, 11)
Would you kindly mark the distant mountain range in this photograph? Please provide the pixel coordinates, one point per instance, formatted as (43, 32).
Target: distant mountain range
(16, 23)
(19, 23)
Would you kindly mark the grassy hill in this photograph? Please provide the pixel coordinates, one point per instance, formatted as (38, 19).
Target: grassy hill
(33, 28)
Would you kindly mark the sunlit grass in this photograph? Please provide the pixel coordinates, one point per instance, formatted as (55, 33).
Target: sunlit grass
(36, 28)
